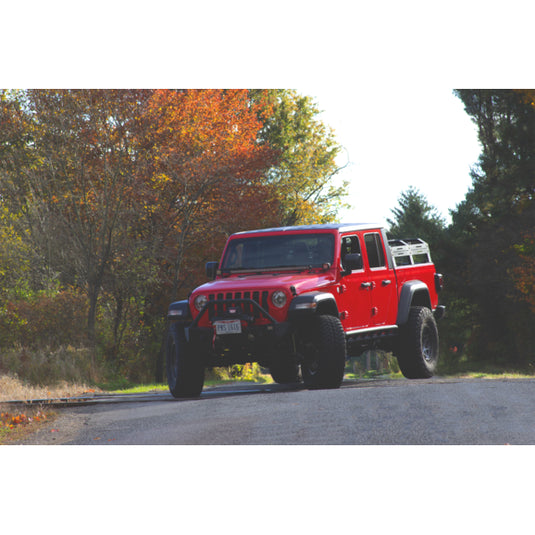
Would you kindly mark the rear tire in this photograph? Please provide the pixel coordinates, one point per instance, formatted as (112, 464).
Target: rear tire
(418, 352)
(185, 372)
(324, 353)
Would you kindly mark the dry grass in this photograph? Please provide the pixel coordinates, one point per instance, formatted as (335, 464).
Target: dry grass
(49, 366)
(12, 388)
(20, 420)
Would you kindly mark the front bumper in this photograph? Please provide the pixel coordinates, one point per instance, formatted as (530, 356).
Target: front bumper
(262, 336)
(256, 343)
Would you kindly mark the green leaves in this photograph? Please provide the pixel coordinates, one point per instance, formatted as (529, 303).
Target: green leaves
(303, 175)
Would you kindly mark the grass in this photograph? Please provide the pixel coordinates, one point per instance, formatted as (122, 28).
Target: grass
(163, 387)
(351, 376)
(492, 375)
(12, 388)
(141, 389)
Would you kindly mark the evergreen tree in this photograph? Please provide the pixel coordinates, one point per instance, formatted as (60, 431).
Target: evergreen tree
(492, 221)
(415, 218)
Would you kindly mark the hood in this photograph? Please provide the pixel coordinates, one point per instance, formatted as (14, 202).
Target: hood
(302, 282)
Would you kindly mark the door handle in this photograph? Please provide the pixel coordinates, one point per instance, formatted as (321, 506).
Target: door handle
(386, 282)
(366, 285)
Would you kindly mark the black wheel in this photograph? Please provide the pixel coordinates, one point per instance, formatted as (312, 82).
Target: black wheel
(324, 356)
(284, 370)
(418, 351)
(185, 373)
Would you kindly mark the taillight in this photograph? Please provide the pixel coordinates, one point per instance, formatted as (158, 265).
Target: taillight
(439, 282)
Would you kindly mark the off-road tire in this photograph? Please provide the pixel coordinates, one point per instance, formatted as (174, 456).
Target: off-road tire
(324, 350)
(185, 372)
(418, 346)
(284, 370)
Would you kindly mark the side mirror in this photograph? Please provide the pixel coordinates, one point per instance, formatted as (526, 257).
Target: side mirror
(352, 262)
(211, 269)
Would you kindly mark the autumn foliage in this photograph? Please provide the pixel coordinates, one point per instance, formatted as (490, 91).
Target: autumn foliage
(10, 420)
(204, 171)
(14, 424)
(44, 320)
(112, 201)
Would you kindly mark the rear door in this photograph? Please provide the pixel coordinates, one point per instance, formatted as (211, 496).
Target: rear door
(380, 280)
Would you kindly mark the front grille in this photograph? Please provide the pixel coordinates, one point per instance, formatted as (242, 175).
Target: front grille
(224, 301)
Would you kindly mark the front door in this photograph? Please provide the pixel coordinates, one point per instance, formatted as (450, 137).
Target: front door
(354, 299)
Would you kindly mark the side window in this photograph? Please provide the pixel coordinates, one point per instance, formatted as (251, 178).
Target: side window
(376, 257)
(350, 245)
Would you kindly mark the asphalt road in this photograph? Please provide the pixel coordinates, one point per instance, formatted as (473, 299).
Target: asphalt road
(399, 412)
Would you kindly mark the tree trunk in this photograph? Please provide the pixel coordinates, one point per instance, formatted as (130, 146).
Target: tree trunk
(93, 292)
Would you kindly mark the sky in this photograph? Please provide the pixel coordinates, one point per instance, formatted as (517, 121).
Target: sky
(421, 138)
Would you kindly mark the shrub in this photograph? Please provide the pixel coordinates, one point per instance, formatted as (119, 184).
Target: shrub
(236, 372)
(44, 321)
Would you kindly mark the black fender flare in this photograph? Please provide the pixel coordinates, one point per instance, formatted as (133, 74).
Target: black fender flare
(412, 293)
(179, 311)
(311, 303)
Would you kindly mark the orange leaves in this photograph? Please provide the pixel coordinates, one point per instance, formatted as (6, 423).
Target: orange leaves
(10, 421)
(20, 418)
(201, 126)
(203, 169)
(528, 95)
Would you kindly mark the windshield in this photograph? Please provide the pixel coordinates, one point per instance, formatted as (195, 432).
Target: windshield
(283, 251)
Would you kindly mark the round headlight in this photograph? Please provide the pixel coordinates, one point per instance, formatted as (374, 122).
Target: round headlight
(200, 301)
(278, 298)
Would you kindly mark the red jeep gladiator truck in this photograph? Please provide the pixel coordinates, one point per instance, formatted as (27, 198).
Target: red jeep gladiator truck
(301, 300)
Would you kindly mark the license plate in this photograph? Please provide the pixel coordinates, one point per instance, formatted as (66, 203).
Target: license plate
(228, 327)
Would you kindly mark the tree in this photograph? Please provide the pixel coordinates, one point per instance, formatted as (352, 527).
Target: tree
(73, 179)
(523, 274)
(204, 167)
(303, 176)
(415, 218)
(502, 182)
(489, 225)
(15, 255)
